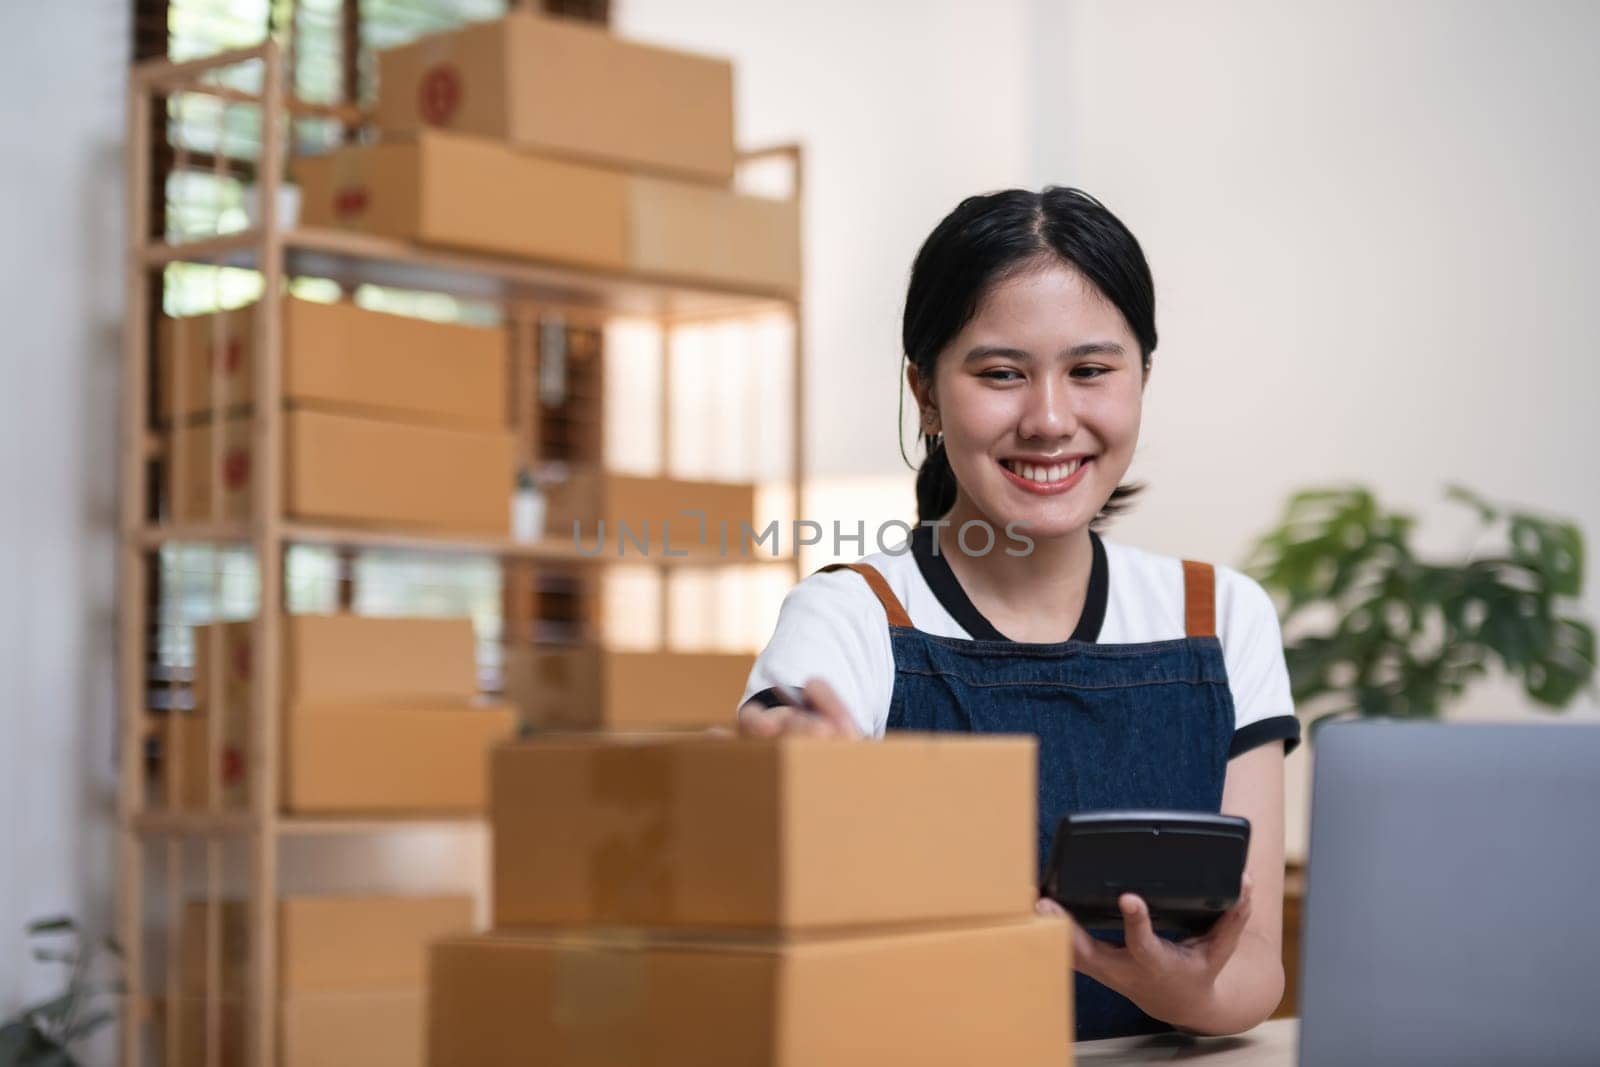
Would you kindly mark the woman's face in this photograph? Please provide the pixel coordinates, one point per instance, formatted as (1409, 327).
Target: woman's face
(1039, 400)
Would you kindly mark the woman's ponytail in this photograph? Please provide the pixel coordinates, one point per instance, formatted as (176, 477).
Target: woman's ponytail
(936, 482)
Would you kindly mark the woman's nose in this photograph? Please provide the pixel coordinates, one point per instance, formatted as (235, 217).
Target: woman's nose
(1048, 411)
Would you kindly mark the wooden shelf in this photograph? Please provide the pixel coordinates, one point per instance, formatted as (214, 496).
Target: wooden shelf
(311, 825)
(547, 550)
(532, 293)
(193, 823)
(355, 258)
(226, 823)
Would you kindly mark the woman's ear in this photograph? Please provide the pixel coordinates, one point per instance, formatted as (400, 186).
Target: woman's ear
(914, 380)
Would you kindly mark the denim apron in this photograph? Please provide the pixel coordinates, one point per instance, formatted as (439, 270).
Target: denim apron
(1119, 726)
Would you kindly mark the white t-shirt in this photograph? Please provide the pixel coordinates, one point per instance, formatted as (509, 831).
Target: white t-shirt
(832, 626)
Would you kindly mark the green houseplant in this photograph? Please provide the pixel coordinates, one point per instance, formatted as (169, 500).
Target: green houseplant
(42, 1035)
(1379, 631)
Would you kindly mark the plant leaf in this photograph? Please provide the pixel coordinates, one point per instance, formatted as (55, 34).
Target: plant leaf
(22, 1045)
(54, 925)
(1460, 493)
(15, 1039)
(84, 1027)
(55, 1009)
(1553, 550)
(1568, 666)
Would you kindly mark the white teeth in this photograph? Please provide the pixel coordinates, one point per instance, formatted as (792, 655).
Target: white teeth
(1044, 475)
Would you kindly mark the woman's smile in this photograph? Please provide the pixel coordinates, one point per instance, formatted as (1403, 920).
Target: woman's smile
(1046, 478)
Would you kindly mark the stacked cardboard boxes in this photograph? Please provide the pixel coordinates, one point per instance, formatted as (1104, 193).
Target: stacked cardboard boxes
(620, 516)
(380, 717)
(351, 978)
(389, 419)
(551, 139)
(705, 901)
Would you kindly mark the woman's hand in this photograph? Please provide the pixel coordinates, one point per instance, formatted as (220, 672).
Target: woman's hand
(823, 716)
(1175, 982)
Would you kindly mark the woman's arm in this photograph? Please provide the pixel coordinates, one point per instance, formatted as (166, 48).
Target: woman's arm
(1250, 985)
(1231, 978)
(830, 626)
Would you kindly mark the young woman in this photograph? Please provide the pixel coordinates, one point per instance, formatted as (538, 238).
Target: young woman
(1150, 682)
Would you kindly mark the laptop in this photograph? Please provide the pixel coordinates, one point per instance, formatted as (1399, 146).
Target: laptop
(1451, 905)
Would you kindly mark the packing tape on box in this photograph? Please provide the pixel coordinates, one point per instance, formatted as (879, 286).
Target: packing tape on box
(630, 866)
(598, 1002)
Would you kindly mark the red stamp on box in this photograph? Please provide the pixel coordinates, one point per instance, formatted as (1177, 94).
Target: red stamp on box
(439, 94)
(232, 765)
(242, 661)
(236, 469)
(350, 201)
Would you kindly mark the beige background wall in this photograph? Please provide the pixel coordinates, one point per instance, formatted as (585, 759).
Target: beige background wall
(1374, 237)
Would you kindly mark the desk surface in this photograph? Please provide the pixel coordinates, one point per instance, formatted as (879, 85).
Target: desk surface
(1272, 1044)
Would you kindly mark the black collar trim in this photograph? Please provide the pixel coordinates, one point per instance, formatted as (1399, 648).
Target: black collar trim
(942, 581)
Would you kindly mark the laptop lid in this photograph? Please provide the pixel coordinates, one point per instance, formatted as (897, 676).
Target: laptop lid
(1450, 912)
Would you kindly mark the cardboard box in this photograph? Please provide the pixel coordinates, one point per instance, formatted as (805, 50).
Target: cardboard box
(797, 833)
(357, 1029)
(343, 1029)
(393, 760)
(699, 233)
(662, 508)
(463, 192)
(604, 689)
(346, 659)
(565, 88)
(346, 359)
(998, 994)
(185, 739)
(329, 943)
(344, 469)
(350, 759)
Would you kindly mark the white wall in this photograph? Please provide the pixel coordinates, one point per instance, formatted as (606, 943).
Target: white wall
(904, 107)
(1373, 231)
(62, 74)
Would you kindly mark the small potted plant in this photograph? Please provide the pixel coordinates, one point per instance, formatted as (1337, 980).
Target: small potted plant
(1372, 629)
(44, 1034)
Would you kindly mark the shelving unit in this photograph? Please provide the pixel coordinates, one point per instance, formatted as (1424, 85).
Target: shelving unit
(148, 835)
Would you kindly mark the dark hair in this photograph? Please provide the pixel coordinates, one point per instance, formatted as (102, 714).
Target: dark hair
(986, 239)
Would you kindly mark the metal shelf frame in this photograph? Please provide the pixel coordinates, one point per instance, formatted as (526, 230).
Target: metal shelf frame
(278, 254)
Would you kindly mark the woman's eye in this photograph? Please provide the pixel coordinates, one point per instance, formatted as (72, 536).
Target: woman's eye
(1001, 374)
(1097, 372)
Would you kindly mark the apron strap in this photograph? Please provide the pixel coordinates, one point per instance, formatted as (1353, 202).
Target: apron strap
(1199, 599)
(891, 605)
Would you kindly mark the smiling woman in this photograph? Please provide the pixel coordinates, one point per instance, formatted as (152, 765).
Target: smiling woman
(1031, 414)
(1150, 682)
